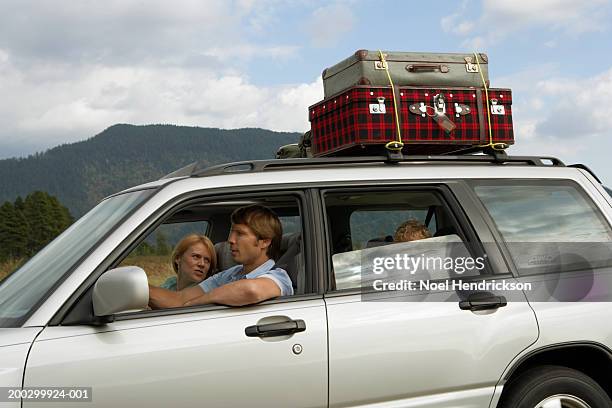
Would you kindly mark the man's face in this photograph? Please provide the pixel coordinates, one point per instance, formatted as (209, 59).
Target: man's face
(194, 264)
(246, 248)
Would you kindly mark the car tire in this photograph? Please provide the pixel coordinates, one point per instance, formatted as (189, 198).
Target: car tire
(539, 387)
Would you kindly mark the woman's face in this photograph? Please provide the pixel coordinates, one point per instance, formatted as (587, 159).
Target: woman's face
(194, 264)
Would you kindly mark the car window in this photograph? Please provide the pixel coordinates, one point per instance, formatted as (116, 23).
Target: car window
(153, 254)
(549, 226)
(21, 292)
(367, 228)
(211, 219)
(383, 223)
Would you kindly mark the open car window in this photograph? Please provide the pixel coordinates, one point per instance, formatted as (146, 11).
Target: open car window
(212, 218)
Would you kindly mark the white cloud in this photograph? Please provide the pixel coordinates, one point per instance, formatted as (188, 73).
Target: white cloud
(453, 23)
(249, 51)
(501, 18)
(550, 44)
(329, 23)
(565, 117)
(69, 70)
(119, 32)
(568, 15)
(4, 56)
(562, 108)
(96, 97)
(577, 109)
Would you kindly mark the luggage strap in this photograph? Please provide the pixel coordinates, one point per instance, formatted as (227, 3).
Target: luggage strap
(394, 146)
(494, 146)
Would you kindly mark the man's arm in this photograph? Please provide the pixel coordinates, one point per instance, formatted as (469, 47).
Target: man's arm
(162, 298)
(239, 293)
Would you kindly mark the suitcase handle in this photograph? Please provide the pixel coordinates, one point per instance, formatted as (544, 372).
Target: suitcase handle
(427, 68)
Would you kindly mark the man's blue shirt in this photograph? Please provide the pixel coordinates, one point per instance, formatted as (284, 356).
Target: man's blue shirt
(265, 270)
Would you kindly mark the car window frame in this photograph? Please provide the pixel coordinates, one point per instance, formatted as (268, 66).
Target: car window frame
(123, 249)
(445, 193)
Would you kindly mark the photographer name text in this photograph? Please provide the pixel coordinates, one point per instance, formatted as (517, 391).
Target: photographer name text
(449, 284)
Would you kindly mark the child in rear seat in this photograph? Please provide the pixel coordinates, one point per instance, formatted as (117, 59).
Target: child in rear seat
(411, 230)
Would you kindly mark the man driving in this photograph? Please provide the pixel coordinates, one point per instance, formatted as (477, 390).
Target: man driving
(254, 242)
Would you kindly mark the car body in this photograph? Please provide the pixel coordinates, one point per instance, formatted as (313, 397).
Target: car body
(72, 317)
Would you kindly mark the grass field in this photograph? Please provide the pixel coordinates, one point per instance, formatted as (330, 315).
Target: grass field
(7, 267)
(157, 267)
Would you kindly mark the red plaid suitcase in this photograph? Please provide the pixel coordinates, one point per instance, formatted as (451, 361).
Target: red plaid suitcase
(362, 120)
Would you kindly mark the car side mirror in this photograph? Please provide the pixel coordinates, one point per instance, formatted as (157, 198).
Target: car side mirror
(120, 290)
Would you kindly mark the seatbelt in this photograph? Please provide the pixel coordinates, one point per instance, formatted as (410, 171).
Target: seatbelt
(430, 214)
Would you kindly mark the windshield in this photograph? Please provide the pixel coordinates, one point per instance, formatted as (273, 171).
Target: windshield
(23, 290)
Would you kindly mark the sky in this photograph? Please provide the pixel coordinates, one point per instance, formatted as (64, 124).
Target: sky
(70, 69)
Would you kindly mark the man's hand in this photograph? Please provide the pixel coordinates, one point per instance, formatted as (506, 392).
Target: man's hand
(239, 293)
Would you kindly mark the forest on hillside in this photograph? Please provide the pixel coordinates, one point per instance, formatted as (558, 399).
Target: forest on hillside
(81, 174)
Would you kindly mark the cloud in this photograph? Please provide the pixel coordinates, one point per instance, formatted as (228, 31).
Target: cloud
(328, 24)
(500, 18)
(97, 96)
(579, 107)
(565, 117)
(249, 51)
(453, 24)
(69, 70)
(549, 105)
(118, 32)
(567, 15)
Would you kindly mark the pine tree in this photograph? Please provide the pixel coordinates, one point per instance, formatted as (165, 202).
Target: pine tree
(46, 218)
(13, 232)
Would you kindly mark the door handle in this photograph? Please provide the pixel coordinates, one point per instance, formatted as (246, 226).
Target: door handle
(275, 329)
(483, 301)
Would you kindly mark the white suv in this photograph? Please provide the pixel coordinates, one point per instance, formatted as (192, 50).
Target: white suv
(75, 315)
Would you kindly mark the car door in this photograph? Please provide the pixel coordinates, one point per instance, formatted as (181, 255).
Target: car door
(417, 348)
(203, 356)
(182, 359)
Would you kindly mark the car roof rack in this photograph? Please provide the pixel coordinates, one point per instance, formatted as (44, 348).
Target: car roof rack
(256, 166)
(585, 168)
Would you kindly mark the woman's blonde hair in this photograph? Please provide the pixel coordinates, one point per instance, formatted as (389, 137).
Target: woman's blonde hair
(190, 240)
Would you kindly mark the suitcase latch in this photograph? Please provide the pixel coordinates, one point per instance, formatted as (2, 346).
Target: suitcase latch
(419, 109)
(470, 66)
(439, 104)
(461, 109)
(378, 64)
(497, 109)
(378, 108)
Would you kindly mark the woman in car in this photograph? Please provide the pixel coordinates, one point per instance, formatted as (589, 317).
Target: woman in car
(193, 260)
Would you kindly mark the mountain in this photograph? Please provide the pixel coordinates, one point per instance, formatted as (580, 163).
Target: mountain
(81, 174)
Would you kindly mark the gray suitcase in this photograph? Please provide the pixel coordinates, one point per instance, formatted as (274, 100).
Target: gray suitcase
(406, 69)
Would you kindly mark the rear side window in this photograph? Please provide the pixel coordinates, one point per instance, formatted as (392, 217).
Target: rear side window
(395, 235)
(549, 226)
(383, 224)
